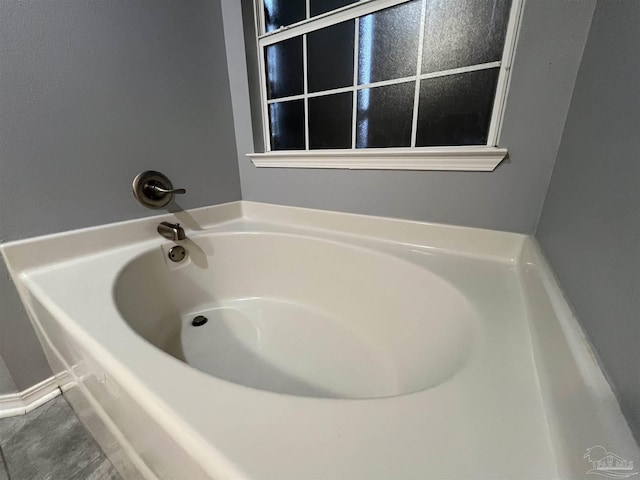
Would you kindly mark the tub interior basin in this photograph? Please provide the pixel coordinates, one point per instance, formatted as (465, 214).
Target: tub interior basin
(300, 315)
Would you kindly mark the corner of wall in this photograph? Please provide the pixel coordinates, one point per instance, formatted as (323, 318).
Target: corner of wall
(564, 124)
(235, 16)
(7, 386)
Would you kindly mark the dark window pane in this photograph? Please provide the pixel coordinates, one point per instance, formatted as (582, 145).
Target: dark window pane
(456, 109)
(318, 7)
(330, 57)
(385, 115)
(286, 121)
(278, 13)
(284, 68)
(459, 33)
(330, 121)
(388, 43)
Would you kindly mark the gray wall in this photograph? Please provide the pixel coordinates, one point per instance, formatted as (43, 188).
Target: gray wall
(551, 42)
(590, 225)
(91, 93)
(6, 382)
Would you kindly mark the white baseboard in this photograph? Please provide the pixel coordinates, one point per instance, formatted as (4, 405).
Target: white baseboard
(23, 402)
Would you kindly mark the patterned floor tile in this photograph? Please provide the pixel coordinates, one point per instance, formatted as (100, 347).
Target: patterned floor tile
(3, 468)
(50, 443)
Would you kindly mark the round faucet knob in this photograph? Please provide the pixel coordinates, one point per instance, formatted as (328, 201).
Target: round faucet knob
(154, 189)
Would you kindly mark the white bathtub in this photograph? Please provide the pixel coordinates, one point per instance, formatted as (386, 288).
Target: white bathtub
(337, 346)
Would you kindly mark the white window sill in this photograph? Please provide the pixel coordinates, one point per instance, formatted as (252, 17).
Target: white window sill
(472, 158)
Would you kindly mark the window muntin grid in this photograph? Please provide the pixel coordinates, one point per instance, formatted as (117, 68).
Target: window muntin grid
(367, 81)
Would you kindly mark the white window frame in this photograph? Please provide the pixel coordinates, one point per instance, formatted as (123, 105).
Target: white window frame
(463, 158)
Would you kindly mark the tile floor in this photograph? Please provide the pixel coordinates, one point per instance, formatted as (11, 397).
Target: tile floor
(50, 443)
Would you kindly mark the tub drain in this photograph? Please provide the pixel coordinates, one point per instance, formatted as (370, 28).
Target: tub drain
(199, 321)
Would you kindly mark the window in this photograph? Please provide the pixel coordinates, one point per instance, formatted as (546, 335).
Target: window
(411, 84)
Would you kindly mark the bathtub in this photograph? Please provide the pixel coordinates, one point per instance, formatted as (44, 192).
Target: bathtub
(335, 346)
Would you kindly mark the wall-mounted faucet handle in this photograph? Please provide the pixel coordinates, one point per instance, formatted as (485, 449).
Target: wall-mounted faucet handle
(154, 190)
